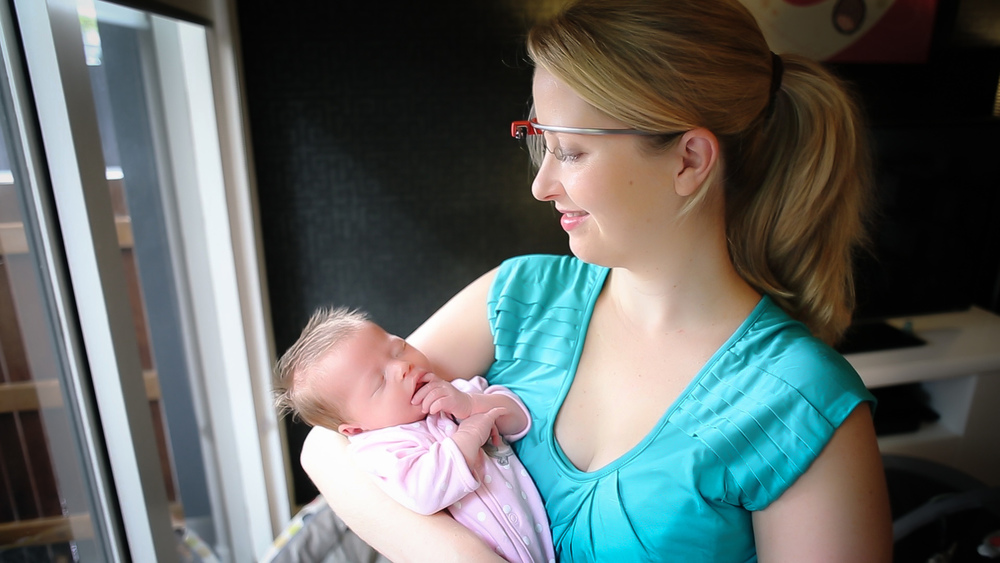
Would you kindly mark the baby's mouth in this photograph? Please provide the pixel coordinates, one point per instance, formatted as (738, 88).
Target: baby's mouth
(417, 387)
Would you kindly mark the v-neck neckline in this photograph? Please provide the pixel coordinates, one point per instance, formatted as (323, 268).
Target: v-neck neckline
(569, 468)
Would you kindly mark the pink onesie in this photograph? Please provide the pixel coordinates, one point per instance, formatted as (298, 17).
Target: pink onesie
(420, 466)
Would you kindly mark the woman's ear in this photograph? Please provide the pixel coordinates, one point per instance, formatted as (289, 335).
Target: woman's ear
(699, 153)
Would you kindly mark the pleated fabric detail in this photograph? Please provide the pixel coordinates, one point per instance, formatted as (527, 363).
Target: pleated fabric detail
(526, 326)
(767, 428)
(549, 340)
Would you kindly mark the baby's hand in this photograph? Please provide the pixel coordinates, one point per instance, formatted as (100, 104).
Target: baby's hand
(438, 395)
(482, 426)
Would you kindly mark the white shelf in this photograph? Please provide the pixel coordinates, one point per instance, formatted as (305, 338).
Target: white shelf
(958, 344)
(959, 368)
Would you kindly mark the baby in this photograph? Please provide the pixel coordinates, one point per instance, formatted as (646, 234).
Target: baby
(431, 444)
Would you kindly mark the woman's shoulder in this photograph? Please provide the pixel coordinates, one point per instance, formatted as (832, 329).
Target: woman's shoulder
(539, 306)
(537, 278)
(546, 266)
(769, 403)
(784, 348)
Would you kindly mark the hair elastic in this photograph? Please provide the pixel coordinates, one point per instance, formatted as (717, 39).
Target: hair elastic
(777, 70)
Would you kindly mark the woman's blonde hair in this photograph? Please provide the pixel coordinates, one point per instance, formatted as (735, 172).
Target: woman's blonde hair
(293, 393)
(795, 163)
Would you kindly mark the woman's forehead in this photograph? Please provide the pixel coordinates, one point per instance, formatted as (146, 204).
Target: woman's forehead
(557, 104)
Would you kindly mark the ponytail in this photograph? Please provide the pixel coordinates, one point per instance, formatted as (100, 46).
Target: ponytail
(797, 197)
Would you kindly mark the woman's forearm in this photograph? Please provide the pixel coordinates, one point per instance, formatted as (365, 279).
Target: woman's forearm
(395, 531)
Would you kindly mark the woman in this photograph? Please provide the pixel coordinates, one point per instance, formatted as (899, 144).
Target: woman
(712, 192)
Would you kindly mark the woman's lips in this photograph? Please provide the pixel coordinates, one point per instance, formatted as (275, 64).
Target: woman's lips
(572, 219)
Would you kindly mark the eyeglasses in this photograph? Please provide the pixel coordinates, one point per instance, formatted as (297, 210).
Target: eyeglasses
(529, 134)
(522, 129)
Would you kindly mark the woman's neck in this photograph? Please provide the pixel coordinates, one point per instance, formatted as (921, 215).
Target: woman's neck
(685, 288)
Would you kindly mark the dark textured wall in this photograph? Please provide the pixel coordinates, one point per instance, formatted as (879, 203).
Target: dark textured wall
(388, 179)
(387, 176)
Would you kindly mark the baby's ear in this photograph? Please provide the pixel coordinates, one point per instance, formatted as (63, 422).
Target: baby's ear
(349, 429)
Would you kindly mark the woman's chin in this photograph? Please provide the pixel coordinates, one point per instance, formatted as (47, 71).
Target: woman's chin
(587, 253)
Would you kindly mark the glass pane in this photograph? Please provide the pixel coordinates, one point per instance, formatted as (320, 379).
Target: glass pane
(47, 493)
(121, 58)
(143, 299)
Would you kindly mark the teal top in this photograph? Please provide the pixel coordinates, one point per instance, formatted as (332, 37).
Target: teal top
(746, 427)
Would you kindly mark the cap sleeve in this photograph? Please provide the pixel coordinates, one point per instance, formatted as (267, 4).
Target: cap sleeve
(767, 426)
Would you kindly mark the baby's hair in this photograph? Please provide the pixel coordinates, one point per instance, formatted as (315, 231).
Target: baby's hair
(293, 393)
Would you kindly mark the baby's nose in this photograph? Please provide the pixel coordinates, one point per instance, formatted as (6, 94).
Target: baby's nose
(403, 368)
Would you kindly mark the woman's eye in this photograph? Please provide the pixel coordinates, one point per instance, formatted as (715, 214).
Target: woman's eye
(564, 155)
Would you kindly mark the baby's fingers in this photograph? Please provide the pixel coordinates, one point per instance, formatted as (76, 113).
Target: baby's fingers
(427, 377)
(436, 400)
(425, 390)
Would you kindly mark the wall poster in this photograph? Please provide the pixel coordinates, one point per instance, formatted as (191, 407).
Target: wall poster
(848, 31)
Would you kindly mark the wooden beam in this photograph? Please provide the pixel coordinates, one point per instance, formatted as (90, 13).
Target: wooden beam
(38, 395)
(59, 529)
(14, 241)
(44, 531)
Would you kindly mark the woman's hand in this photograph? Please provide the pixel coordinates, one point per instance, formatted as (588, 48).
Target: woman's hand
(395, 531)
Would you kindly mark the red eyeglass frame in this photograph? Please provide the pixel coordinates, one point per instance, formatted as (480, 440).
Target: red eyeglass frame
(522, 128)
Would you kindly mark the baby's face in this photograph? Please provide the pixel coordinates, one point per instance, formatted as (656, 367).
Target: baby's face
(373, 376)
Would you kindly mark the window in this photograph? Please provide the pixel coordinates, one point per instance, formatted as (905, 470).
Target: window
(136, 376)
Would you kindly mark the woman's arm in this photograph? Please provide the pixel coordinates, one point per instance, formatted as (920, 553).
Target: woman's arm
(458, 343)
(397, 532)
(838, 510)
(457, 339)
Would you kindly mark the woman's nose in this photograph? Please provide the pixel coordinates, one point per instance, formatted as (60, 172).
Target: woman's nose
(545, 187)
